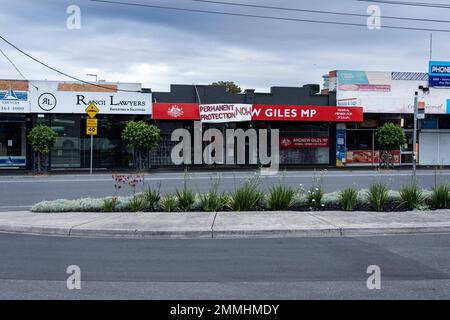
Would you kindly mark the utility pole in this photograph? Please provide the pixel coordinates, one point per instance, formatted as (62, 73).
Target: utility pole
(92, 155)
(416, 101)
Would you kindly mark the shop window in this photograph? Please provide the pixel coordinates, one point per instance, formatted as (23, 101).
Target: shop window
(12, 141)
(110, 151)
(303, 143)
(66, 152)
(444, 123)
(360, 139)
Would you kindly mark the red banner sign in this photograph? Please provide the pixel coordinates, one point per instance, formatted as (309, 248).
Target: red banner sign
(306, 113)
(176, 111)
(290, 142)
(191, 111)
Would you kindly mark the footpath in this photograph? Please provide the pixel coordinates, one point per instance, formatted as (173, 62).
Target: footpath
(225, 224)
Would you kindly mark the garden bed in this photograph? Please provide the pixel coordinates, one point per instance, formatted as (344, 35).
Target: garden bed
(330, 202)
(249, 197)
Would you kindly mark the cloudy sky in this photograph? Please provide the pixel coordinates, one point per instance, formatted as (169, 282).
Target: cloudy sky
(158, 47)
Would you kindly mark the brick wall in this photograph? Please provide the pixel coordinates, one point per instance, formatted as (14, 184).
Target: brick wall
(81, 87)
(20, 85)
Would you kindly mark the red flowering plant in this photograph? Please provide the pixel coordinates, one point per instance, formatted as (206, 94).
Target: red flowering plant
(119, 181)
(134, 180)
(110, 205)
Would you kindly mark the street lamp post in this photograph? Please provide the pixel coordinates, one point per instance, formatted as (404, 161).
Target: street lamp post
(93, 75)
(416, 99)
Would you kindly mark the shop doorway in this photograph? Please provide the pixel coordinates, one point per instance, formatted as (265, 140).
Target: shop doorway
(12, 142)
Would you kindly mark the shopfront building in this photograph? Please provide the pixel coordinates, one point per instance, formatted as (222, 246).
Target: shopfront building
(61, 106)
(306, 120)
(389, 97)
(14, 123)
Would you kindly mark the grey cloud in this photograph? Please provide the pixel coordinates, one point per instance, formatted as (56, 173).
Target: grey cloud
(159, 47)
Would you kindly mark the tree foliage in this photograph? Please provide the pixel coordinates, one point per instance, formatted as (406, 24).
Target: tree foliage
(42, 139)
(229, 85)
(390, 137)
(141, 136)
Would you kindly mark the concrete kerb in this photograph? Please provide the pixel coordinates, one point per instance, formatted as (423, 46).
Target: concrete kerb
(222, 225)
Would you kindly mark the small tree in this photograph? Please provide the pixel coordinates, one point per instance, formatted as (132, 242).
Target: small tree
(42, 139)
(229, 85)
(389, 137)
(142, 138)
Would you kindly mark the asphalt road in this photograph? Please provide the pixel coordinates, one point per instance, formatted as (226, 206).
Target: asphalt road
(21, 192)
(412, 267)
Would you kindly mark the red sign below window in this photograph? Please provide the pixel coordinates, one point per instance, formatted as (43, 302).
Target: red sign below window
(367, 156)
(289, 142)
(306, 113)
(176, 111)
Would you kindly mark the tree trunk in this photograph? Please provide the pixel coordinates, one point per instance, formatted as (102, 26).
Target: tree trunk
(39, 162)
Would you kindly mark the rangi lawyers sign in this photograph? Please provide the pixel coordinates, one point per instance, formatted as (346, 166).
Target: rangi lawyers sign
(76, 102)
(439, 74)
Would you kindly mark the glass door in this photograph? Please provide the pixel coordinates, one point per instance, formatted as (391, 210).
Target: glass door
(407, 150)
(12, 144)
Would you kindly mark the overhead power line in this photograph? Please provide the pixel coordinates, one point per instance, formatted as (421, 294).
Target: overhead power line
(61, 72)
(237, 4)
(265, 17)
(13, 64)
(409, 3)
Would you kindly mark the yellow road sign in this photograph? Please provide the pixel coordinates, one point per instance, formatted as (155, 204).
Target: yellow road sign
(92, 110)
(91, 131)
(91, 122)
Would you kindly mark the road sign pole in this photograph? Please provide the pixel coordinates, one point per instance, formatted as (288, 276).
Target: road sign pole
(92, 148)
(91, 128)
(416, 99)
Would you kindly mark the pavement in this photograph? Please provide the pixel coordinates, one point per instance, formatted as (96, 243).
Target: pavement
(197, 225)
(411, 267)
(20, 192)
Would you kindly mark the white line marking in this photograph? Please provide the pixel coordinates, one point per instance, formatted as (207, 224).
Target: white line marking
(228, 176)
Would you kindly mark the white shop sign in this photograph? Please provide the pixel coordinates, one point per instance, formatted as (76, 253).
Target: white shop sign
(76, 102)
(222, 113)
(14, 101)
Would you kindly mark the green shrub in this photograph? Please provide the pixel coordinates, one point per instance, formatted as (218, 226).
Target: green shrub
(42, 139)
(169, 203)
(314, 196)
(136, 204)
(412, 196)
(315, 193)
(377, 195)
(152, 196)
(213, 201)
(185, 196)
(440, 197)
(281, 197)
(109, 204)
(390, 137)
(142, 137)
(348, 199)
(247, 197)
